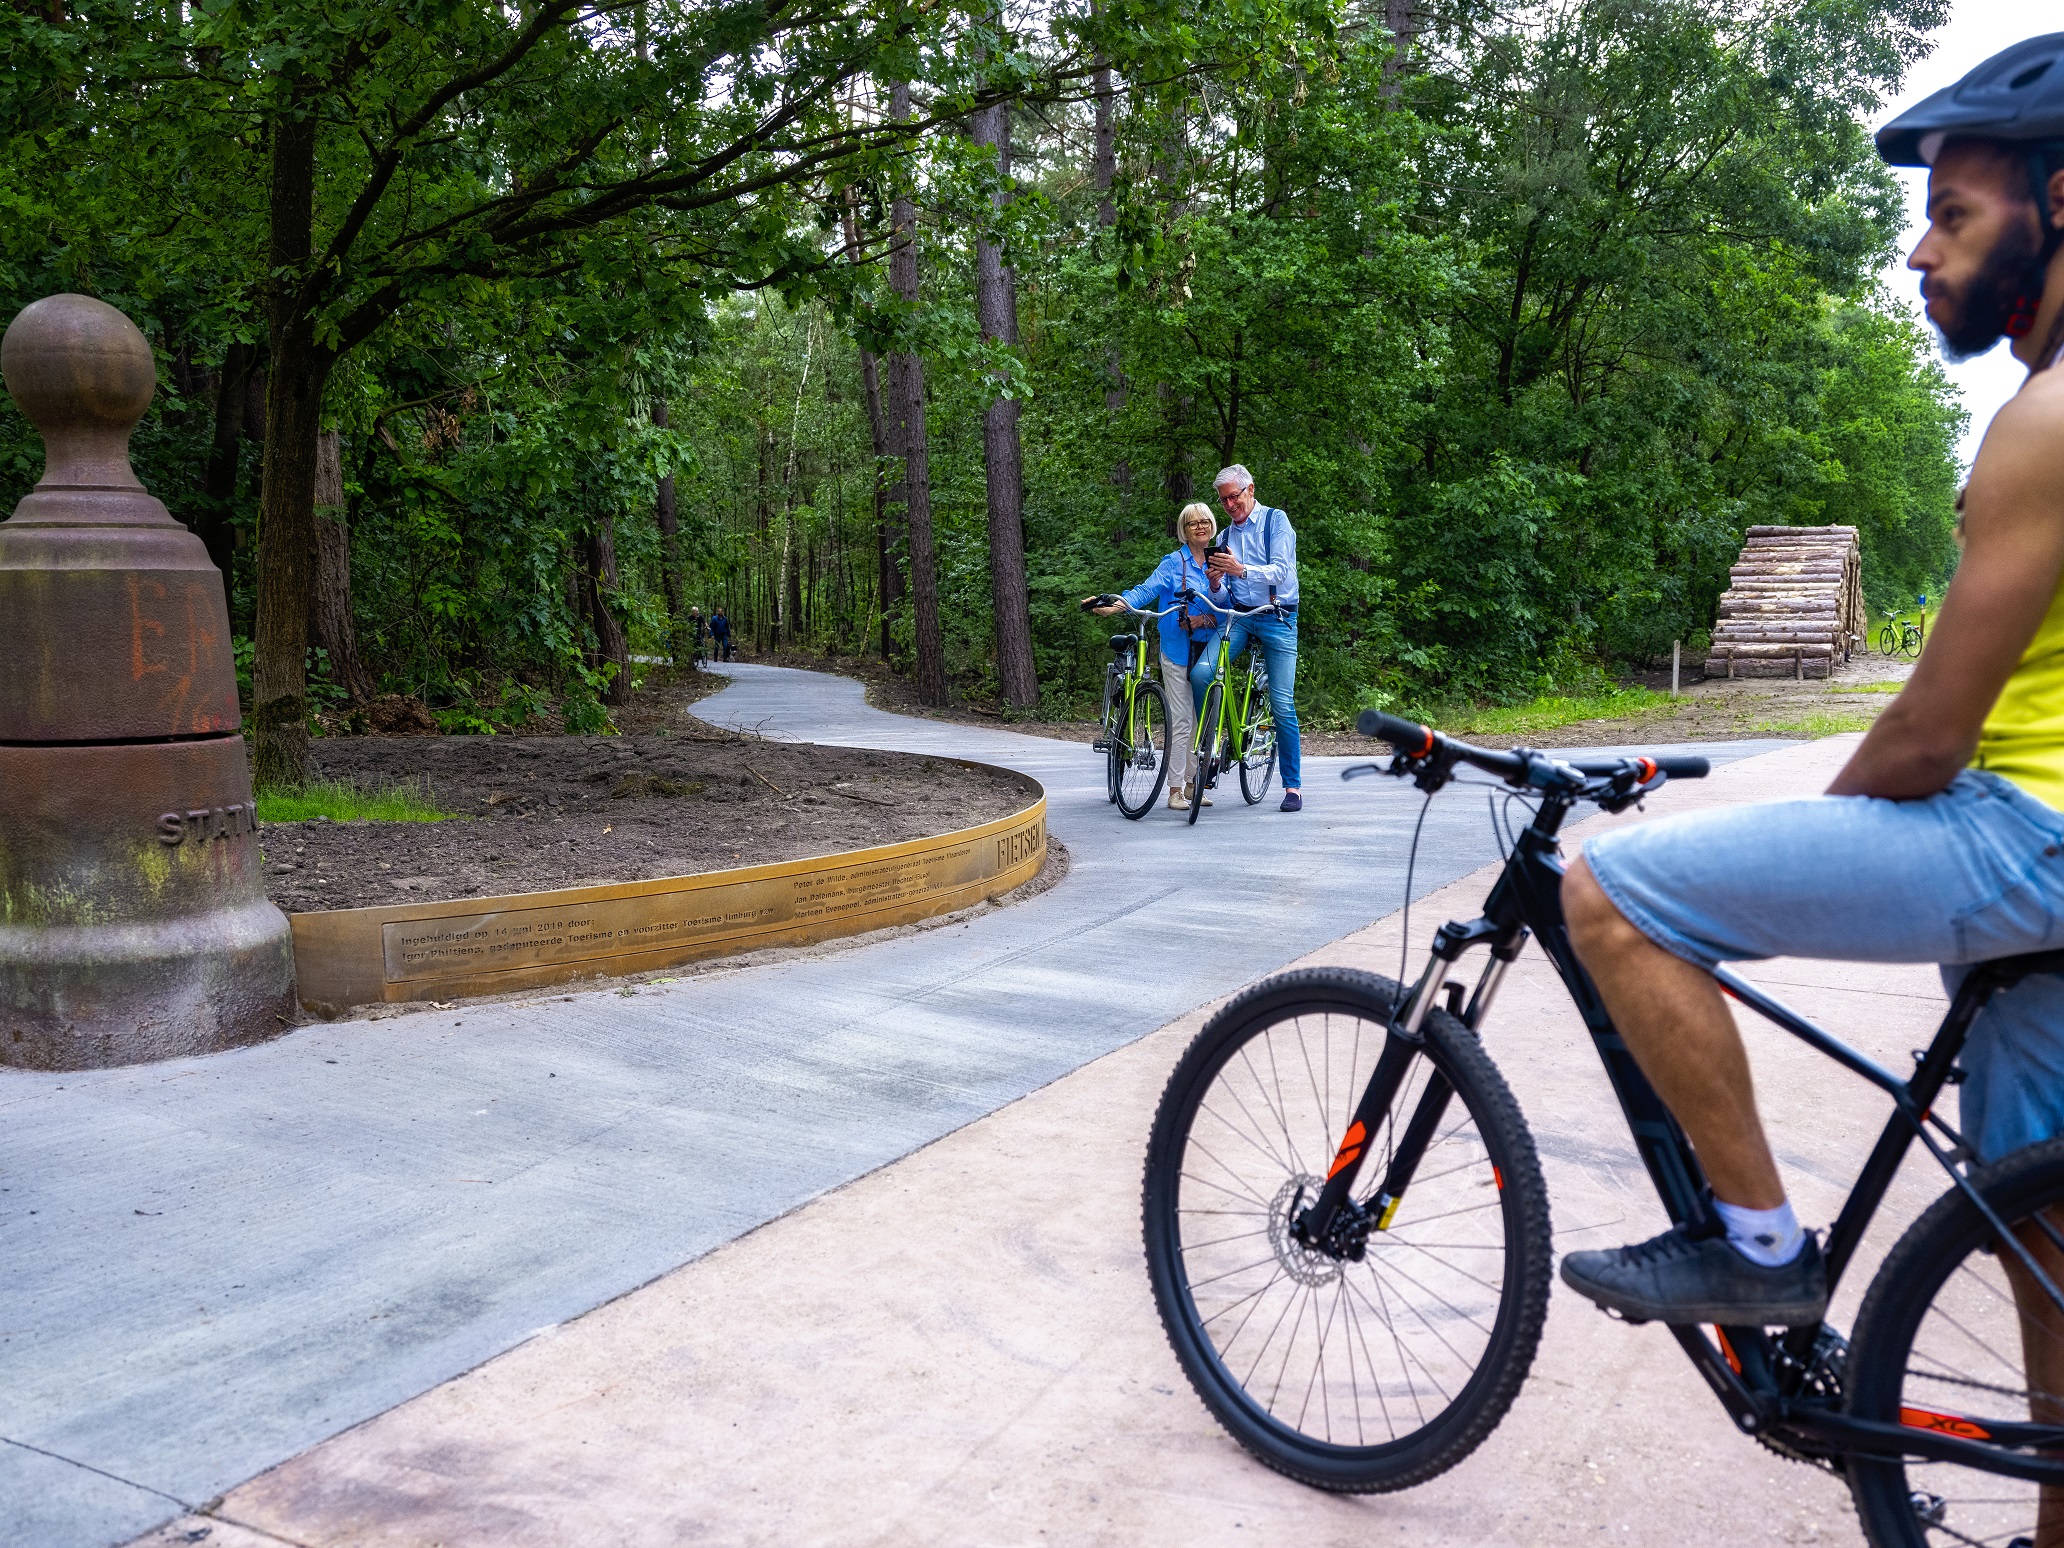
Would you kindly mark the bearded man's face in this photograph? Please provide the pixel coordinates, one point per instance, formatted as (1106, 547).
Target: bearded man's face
(1981, 256)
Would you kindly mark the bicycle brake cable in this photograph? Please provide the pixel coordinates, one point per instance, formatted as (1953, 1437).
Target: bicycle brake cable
(1411, 863)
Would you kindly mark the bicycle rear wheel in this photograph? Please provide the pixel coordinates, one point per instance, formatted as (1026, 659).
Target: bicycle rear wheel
(1143, 743)
(1114, 698)
(1945, 1343)
(1354, 1376)
(1258, 763)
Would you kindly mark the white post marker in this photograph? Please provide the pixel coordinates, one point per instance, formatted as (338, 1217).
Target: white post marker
(1675, 655)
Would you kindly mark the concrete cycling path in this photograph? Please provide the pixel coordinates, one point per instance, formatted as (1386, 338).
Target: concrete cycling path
(209, 1265)
(960, 1348)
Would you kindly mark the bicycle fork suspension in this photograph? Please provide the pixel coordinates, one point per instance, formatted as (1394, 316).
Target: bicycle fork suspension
(1335, 1224)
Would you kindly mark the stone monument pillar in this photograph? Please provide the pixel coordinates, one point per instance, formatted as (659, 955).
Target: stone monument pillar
(133, 925)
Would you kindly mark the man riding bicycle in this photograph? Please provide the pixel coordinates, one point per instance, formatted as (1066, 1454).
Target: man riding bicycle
(1955, 797)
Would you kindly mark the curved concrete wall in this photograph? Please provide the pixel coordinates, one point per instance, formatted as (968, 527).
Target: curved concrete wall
(471, 946)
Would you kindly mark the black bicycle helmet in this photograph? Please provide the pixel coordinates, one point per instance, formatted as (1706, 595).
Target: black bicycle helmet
(2016, 96)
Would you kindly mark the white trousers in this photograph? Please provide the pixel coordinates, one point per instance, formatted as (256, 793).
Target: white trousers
(1182, 721)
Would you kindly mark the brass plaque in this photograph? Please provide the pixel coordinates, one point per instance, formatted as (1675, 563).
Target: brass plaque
(484, 946)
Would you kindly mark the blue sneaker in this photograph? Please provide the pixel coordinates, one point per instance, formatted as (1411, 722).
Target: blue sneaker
(1292, 802)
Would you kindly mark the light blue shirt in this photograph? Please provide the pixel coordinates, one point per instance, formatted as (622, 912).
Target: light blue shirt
(1164, 588)
(1267, 546)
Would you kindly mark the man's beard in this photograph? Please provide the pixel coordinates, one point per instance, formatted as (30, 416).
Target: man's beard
(2013, 272)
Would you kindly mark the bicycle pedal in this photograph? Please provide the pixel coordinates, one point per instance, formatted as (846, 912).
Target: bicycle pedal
(1100, 745)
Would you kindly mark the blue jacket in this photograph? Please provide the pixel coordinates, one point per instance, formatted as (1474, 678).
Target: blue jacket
(1164, 589)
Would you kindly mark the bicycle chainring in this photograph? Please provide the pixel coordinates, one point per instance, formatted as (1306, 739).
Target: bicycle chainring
(1818, 1382)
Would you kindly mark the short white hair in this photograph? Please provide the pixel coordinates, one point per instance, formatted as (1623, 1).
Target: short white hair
(1235, 475)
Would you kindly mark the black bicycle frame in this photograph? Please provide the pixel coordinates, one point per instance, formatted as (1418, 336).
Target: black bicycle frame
(1756, 1377)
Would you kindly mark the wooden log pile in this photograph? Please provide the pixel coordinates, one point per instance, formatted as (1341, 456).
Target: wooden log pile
(1794, 604)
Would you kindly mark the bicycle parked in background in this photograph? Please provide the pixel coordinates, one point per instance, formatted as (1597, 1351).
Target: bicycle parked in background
(1902, 636)
(1134, 720)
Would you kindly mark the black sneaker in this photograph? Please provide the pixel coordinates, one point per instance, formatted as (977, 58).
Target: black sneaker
(1677, 1278)
(1292, 802)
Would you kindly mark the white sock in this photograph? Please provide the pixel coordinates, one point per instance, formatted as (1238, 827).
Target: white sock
(1766, 1236)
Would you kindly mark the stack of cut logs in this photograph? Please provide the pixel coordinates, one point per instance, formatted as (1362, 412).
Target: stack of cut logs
(1794, 605)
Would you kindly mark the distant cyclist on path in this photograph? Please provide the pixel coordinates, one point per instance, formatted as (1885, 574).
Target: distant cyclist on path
(1954, 801)
(1260, 563)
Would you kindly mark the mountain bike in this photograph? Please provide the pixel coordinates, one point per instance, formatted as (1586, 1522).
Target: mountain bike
(1236, 725)
(1134, 722)
(1347, 1228)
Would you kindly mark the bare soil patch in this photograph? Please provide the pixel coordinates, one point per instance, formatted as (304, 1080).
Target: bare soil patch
(537, 812)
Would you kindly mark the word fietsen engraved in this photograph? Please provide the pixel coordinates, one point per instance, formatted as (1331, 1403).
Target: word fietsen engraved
(1016, 848)
(208, 822)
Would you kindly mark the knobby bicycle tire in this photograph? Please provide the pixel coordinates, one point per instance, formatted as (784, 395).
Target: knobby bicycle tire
(1142, 751)
(1205, 743)
(1481, 1179)
(1939, 1342)
(1258, 762)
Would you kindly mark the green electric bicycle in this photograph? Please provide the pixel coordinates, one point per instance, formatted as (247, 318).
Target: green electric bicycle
(1236, 726)
(1134, 733)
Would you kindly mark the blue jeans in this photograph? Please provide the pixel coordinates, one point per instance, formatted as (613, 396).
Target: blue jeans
(1971, 873)
(1276, 639)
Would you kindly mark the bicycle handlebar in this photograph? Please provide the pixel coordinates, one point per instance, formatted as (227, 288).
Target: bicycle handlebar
(1110, 599)
(1430, 758)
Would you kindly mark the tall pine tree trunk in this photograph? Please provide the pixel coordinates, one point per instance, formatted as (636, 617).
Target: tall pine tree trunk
(683, 640)
(614, 645)
(907, 400)
(888, 581)
(331, 624)
(996, 305)
(1104, 168)
(219, 482)
(293, 418)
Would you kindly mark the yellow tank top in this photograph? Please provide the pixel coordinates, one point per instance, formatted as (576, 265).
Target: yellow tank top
(2023, 737)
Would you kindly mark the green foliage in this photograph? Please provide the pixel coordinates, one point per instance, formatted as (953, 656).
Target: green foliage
(1549, 711)
(1523, 324)
(337, 801)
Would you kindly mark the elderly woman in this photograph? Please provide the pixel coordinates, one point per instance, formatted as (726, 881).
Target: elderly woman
(1189, 638)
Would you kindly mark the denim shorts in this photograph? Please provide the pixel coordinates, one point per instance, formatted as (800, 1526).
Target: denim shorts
(1972, 873)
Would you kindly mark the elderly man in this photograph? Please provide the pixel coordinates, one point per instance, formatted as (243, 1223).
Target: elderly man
(1259, 562)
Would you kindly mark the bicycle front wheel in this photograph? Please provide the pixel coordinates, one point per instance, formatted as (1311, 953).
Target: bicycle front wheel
(1888, 641)
(1349, 1375)
(1957, 1338)
(1258, 763)
(1206, 743)
(1143, 748)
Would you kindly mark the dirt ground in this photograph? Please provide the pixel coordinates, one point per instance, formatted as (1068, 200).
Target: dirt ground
(542, 812)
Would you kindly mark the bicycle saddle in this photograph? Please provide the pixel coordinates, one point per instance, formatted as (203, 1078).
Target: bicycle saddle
(1124, 641)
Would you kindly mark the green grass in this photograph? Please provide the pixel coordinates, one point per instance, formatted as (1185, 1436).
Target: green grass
(1816, 723)
(1888, 686)
(341, 802)
(1552, 710)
